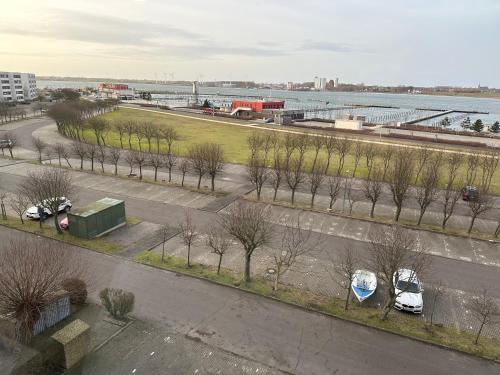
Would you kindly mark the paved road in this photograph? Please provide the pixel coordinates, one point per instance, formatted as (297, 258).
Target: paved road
(269, 332)
(462, 275)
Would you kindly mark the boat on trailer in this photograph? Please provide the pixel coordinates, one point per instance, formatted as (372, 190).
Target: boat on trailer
(364, 284)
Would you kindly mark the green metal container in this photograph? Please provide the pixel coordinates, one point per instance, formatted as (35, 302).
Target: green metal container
(97, 218)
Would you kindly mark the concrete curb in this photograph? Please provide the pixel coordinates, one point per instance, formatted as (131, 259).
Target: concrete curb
(108, 339)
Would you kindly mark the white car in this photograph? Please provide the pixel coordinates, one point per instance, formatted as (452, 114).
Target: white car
(408, 291)
(64, 206)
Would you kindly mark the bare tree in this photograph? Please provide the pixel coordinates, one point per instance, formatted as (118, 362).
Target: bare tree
(370, 153)
(400, 178)
(276, 173)
(79, 150)
(91, 153)
(343, 148)
(479, 205)
(156, 161)
(115, 155)
(184, 168)
(139, 134)
(427, 191)
(452, 188)
(249, 224)
(316, 178)
(214, 159)
(11, 141)
(394, 248)
(188, 234)
(19, 204)
(472, 165)
(148, 130)
(170, 160)
(334, 185)
(484, 309)
(31, 272)
(424, 155)
(59, 149)
(489, 165)
(294, 174)
(437, 292)
(372, 188)
(101, 156)
(170, 136)
(130, 128)
(317, 143)
(218, 241)
(121, 129)
(140, 159)
(3, 196)
(47, 189)
(330, 145)
(39, 146)
(347, 267)
(257, 172)
(295, 242)
(358, 153)
(130, 159)
(197, 161)
(97, 125)
(352, 194)
(387, 154)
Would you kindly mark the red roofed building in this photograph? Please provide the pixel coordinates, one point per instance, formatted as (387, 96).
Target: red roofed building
(258, 105)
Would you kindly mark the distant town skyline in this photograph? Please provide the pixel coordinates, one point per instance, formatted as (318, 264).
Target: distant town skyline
(428, 43)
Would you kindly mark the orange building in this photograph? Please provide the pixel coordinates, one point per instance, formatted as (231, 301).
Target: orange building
(258, 105)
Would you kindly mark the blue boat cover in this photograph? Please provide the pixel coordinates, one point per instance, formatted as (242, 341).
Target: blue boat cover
(362, 292)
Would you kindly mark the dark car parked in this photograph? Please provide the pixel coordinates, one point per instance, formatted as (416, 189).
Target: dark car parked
(469, 193)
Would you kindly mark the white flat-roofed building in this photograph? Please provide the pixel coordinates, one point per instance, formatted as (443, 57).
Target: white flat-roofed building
(17, 87)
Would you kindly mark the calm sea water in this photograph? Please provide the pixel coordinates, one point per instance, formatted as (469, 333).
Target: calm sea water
(406, 104)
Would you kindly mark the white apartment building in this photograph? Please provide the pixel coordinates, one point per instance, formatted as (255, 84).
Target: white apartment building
(17, 87)
(319, 83)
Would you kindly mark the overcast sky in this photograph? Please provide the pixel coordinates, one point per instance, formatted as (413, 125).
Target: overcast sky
(420, 42)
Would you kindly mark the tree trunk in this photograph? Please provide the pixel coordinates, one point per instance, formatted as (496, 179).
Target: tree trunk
(163, 250)
(247, 268)
(81, 163)
(312, 199)
(422, 212)
(116, 169)
(473, 219)
(293, 196)
(213, 182)
(346, 307)
(332, 202)
(170, 174)
(372, 211)
(259, 188)
(479, 333)
(199, 181)
(189, 256)
(156, 173)
(387, 308)
(497, 231)
(275, 194)
(220, 262)
(182, 182)
(398, 213)
(92, 165)
(56, 222)
(277, 279)
(140, 172)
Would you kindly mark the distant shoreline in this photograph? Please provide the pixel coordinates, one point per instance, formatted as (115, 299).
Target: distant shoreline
(479, 95)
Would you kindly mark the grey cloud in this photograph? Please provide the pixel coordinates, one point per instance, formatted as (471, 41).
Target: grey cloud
(328, 47)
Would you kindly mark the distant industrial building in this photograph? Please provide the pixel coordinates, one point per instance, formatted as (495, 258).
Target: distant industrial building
(17, 87)
(115, 91)
(289, 86)
(319, 83)
(336, 84)
(258, 106)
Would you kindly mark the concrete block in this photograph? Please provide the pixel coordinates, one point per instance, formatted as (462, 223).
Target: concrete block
(75, 341)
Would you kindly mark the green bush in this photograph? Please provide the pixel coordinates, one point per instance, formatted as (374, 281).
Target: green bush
(77, 290)
(118, 302)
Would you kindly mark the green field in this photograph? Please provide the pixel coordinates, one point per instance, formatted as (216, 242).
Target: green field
(233, 138)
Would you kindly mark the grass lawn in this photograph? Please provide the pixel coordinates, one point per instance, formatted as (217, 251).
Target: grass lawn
(404, 325)
(32, 226)
(233, 139)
